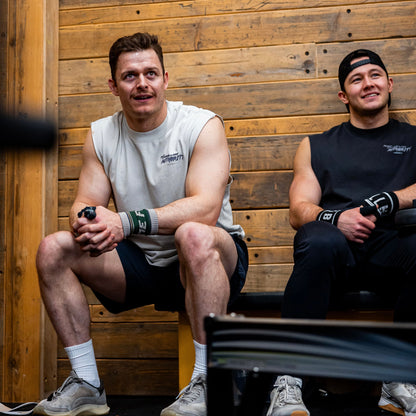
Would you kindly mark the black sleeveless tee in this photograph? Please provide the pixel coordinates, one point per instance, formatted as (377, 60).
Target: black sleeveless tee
(352, 164)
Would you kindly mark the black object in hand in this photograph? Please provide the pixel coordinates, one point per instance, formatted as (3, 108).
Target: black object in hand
(89, 213)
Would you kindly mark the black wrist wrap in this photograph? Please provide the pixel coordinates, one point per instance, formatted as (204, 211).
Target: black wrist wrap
(329, 215)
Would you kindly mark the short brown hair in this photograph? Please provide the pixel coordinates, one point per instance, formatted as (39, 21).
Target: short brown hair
(137, 42)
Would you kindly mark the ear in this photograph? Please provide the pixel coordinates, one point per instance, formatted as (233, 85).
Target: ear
(343, 97)
(166, 80)
(113, 87)
(390, 84)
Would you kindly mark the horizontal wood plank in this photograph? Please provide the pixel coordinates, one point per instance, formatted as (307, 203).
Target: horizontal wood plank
(100, 314)
(74, 4)
(133, 340)
(227, 5)
(267, 277)
(263, 152)
(327, 24)
(156, 377)
(399, 55)
(263, 255)
(202, 68)
(308, 124)
(268, 189)
(264, 228)
(141, 11)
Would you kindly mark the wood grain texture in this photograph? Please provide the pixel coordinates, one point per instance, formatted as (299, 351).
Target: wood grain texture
(328, 24)
(155, 377)
(270, 70)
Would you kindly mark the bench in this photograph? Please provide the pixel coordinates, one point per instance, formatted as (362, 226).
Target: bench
(362, 305)
(262, 348)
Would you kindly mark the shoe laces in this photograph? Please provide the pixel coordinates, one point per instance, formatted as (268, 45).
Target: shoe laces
(411, 388)
(192, 391)
(288, 393)
(70, 380)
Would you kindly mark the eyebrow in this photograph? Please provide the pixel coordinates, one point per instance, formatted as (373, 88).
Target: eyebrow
(376, 69)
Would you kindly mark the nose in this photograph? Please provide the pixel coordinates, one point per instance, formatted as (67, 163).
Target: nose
(141, 81)
(367, 81)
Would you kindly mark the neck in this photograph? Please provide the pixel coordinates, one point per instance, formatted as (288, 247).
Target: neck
(147, 122)
(370, 121)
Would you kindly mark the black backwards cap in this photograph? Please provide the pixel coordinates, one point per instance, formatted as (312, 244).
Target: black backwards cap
(345, 66)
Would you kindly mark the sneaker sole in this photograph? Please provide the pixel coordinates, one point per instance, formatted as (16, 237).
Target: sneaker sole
(397, 410)
(391, 408)
(80, 411)
(299, 413)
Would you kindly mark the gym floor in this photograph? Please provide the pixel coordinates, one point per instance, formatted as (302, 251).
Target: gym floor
(324, 405)
(349, 399)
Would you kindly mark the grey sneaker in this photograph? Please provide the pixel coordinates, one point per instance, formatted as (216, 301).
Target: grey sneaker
(74, 397)
(191, 401)
(286, 398)
(398, 398)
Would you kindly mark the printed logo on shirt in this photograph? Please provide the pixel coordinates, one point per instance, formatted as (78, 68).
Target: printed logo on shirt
(397, 149)
(172, 158)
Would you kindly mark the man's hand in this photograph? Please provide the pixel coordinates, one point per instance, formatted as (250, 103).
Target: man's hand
(356, 227)
(100, 234)
(383, 204)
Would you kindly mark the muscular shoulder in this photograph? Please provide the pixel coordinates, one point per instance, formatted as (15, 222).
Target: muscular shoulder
(191, 113)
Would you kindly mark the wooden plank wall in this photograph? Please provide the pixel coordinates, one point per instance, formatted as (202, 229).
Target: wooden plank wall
(28, 196)
(270, 69)
(3, 54)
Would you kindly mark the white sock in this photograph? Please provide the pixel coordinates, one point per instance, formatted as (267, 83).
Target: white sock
(200, 366)
(83, 362)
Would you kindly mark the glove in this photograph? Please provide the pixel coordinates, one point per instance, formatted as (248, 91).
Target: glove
(380, 205)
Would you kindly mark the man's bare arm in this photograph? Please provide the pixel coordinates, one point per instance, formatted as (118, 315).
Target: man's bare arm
(94, 189)
(305, 191)
(206, 180)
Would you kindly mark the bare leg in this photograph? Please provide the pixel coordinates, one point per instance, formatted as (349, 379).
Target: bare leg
(207, 257)
(61, 267)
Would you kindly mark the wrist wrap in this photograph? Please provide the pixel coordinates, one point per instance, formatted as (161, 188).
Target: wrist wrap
(329, 215)
(381, 205)
(143, 221)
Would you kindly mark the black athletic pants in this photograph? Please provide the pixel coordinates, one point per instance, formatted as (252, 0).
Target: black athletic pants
(327, 265)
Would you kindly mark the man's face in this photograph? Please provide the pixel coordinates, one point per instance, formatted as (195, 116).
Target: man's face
(141, 84)
(367, 89)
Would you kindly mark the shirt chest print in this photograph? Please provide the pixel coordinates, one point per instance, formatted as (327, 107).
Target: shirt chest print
(171, 158)
(397, 149)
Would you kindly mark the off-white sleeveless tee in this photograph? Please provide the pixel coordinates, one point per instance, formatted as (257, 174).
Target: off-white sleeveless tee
(148, 170)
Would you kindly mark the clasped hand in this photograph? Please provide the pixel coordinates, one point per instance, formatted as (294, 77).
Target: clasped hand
(98, 235)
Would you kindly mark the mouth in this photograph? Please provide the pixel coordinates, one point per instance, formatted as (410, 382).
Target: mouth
(371, 95)
(142, 97)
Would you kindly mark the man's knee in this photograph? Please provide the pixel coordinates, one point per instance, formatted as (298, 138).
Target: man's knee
(195, 242)
(320, 237)
(53, 249)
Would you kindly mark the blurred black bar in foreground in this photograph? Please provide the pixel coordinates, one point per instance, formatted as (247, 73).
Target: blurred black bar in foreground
(17, 133)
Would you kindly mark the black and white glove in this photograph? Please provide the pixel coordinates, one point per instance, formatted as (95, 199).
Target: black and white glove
(380, 205)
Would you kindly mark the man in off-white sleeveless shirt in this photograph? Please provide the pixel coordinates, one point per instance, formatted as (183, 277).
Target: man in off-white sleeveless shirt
(170, 241)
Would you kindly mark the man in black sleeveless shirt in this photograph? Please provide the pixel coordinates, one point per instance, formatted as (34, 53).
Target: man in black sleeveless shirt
(348, 184)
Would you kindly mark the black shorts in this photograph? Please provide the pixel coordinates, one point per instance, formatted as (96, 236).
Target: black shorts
(161, 286)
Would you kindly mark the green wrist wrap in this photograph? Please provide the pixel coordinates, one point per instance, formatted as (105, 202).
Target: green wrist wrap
(142, 221)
